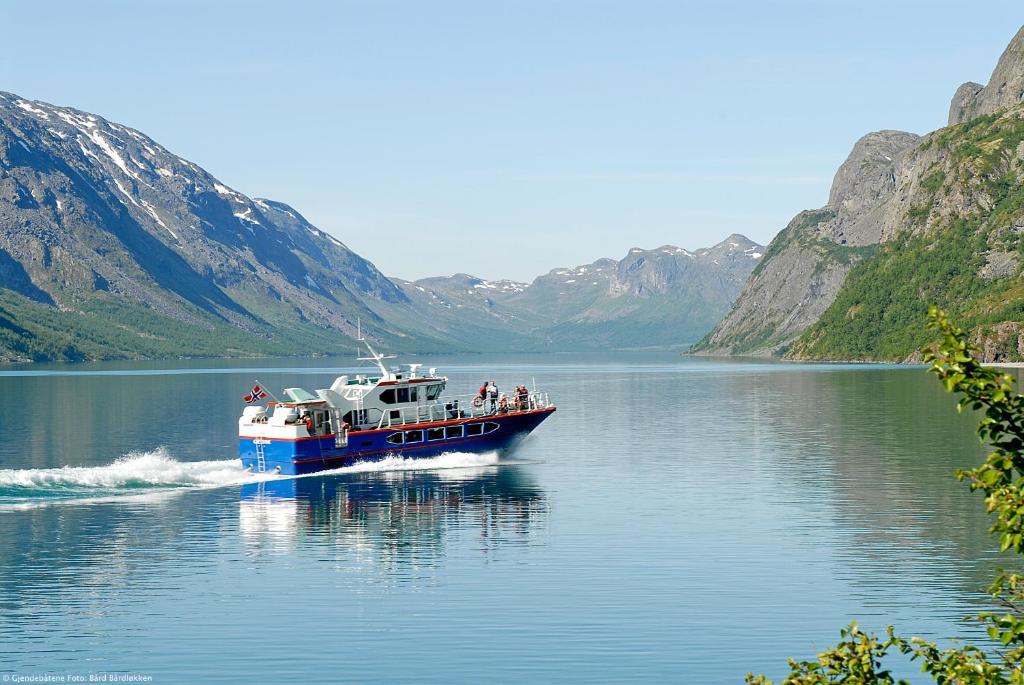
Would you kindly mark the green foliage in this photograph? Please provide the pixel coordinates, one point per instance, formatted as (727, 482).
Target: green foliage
(933, 181)
(795, 232)
(112, 328)
(879, 313)
(986, 389)
(1007, 628)
(967, 665)
(918, 214)
(857, 658)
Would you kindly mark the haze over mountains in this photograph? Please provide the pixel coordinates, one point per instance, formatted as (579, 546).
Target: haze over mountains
(660, 297)
(113, 247)
(910, 221)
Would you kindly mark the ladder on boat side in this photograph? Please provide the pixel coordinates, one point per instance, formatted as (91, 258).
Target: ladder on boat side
(261, 457)
(338, 428)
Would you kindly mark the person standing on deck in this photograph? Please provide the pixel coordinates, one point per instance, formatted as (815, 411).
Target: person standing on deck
(492, 395)
(523, 398)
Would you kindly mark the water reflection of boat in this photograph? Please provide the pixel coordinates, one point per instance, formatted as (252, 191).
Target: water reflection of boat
(392, 512)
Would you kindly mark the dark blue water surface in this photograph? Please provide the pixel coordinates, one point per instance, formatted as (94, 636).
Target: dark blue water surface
(676, 519)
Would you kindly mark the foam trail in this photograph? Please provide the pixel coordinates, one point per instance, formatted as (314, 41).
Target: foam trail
(138, 473)
(143, 497)
(448, 460)
(155, 476)
(134, 471)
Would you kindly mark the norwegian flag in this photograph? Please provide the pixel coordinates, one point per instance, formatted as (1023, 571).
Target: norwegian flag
(257, 393)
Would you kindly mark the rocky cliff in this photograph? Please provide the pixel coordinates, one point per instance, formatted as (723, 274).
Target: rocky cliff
(950, 234)
(909, 221)
(1005, 88)
(805, 265)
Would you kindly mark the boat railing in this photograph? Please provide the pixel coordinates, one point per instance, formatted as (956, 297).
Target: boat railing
(461, 406)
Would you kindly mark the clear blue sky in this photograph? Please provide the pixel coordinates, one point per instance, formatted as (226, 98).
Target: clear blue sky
(507, 138)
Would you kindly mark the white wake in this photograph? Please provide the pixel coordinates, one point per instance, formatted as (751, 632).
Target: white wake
(140, 472)
(156, 469)
(448, 460)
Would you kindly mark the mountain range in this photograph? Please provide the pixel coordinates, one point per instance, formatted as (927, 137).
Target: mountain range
(910, 220)
(113, 247)
(662, 297)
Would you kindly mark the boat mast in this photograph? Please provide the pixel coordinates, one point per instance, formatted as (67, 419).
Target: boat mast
(375, 356)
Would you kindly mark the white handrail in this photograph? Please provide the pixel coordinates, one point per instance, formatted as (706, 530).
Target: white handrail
(453, 407)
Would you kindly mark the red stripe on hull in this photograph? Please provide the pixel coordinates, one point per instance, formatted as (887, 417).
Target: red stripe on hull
(408, 426)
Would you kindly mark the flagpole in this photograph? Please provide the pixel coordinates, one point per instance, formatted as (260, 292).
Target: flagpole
(267, 390)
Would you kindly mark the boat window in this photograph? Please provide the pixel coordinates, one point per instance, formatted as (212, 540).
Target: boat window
(413, 394)
(395, 438)
(453, 431)
(356, 417)
(475, 429)
(490, 427)
(413, 436)
(388, 396)
(434, 391)
(403, 394)
(435, 434)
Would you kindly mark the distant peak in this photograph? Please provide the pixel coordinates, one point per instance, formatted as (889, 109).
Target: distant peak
(1004, 89)
(281, 207)
(866, 170)
(461, 278)
(735, 242)
(961, 107)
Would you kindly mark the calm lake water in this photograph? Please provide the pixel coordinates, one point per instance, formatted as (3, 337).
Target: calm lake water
(676, 520)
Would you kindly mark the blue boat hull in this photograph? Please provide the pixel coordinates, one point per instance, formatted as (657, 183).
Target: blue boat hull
(310, 455)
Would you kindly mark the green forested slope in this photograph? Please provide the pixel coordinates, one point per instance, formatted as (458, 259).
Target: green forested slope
(955, 241)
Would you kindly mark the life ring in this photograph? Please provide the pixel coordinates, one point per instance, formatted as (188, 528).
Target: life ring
(478, 402)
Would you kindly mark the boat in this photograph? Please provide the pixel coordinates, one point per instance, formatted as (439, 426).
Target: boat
(396, 411)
